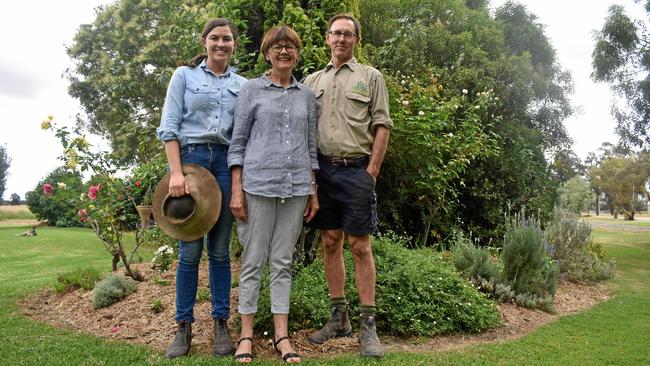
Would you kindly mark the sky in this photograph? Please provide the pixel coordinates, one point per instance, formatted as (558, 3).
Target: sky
(33, 60)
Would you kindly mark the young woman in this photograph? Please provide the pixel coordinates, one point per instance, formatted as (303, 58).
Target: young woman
(196, 127)
(272, 158)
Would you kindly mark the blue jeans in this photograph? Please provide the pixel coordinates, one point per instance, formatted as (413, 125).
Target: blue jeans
(213, 158)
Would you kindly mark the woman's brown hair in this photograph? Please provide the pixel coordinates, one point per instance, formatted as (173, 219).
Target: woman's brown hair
(209, 26)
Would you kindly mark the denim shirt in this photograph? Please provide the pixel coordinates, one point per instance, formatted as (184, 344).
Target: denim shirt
(199, 106)
(275, 138)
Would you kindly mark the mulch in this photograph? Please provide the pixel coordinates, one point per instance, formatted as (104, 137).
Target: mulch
(132, 319)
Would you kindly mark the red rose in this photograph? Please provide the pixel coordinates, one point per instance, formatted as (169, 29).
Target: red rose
(93, 191)
(47, 189)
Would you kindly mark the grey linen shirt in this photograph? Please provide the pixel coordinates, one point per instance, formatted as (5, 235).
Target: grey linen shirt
(274, 138)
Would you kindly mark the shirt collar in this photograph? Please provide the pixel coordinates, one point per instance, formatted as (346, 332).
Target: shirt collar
(268, 83)
(352, 64)
(226, 74)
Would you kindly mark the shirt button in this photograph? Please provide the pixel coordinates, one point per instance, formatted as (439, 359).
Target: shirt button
(287, 126)
(286, 111)
(288, 157)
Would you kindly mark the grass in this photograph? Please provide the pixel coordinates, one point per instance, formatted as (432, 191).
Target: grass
(17, 212)
(616, 332)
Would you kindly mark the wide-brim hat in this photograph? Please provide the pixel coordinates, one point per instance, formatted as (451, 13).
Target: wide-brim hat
(188, 217)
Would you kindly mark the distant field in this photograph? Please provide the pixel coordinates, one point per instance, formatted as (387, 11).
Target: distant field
(18, 212)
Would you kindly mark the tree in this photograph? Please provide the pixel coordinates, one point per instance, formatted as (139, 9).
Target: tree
(15, 199)
(124, 59)
(623, 178)
(576, 195)
(5, 163)
(54, 198)
(620, 58)
(468, 52)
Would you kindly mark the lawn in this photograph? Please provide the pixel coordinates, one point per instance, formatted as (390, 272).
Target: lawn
(613, 332)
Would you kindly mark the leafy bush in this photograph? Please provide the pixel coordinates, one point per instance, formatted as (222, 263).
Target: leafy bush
(55, 198)
(526, 268)
(157, 306)
(80, 278)
(163, 258)
(153, 237)
(418, 294)
(203, 294)
(112, 289)
(474, 262)
(569, 243)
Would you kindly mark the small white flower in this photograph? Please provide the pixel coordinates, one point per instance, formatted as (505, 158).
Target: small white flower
(62, 185)
(450, 134)
(405, 103)
(266, 333)
(403, 82)
(464, 91)
(420, 113)
(399, 297)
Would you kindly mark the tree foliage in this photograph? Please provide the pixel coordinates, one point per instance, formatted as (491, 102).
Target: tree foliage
(59, 207)
(622, 179)
(576, 195)
(621, 58)
(124, 59)
(466, 49)
(5, 163)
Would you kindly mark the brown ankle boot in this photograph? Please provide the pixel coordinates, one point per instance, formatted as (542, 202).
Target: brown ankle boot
(223, 345)
(369, 344)
(337, 326)
(182, 341)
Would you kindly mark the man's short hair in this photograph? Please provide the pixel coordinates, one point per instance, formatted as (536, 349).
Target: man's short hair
(348, 16)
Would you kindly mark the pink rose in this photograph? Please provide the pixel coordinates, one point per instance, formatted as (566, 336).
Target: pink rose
(47, 189)
(93, 191)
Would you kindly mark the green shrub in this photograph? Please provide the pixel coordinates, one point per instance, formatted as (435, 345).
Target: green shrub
(569, 243)
(80, 278)
(60, 207)
(157, 306)
(417, 295)
(111, 290)
(203, 294)
(163, 258)
(160, 281)
(153, 237)
(474, 262)
(526, 268)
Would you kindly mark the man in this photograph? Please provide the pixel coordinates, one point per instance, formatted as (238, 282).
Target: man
(353, 128)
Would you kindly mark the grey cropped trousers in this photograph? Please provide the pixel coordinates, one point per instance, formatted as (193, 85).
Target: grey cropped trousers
(270, 234)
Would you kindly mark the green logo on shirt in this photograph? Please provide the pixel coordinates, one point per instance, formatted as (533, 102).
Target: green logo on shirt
(360, 88)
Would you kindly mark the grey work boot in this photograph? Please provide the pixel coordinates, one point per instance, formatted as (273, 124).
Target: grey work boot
(369, 344)
(337, 326)
(182, 341)
(223, 345)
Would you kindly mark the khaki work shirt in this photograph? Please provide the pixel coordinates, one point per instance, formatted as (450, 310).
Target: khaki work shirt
(351, 102)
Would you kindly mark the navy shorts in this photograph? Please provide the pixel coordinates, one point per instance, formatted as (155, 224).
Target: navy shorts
(347, 200)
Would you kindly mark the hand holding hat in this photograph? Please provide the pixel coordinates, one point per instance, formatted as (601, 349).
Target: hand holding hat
(188, 217)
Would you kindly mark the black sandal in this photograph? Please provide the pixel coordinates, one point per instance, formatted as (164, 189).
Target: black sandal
(247, 354)
(287, 355)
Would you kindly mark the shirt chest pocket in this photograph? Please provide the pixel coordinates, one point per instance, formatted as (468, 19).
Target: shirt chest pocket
(229, 99)
(319, 102)
(197, 97)
(357, 107)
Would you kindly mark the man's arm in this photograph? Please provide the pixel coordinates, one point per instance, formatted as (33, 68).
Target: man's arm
(379, 147)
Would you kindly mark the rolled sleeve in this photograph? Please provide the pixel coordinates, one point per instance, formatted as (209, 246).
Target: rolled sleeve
(242, 124)
(379, 112)
(172, 113)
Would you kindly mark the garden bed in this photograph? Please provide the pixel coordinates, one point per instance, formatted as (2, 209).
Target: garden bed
(132, 319)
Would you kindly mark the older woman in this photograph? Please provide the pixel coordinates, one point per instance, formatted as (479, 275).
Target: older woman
(272, 158)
